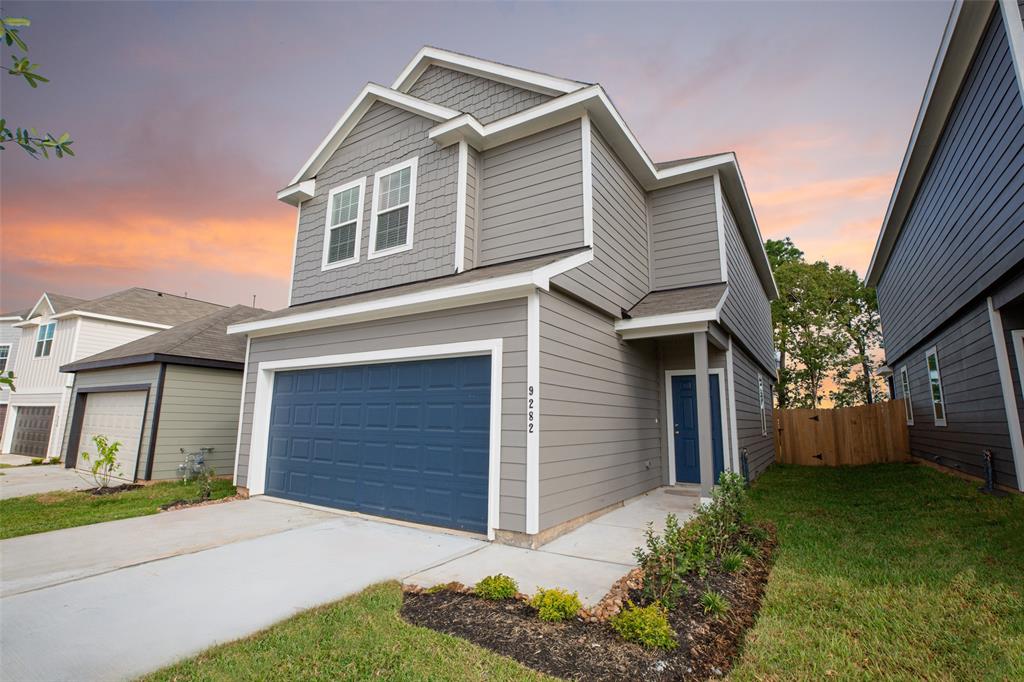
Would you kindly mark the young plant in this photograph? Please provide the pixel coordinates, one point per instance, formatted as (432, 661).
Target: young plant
(733, 562)
(104, 466)
(668, 558)
(556, 605)
(714, 603)
(496, 587)
(745, 548)
(721, 519)
(645, 625)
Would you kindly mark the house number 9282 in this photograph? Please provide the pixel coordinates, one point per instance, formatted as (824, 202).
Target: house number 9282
(530, 420)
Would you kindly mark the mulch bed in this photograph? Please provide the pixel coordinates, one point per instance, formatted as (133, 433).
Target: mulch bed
(113, 489)
(593, 651)
(197, 502)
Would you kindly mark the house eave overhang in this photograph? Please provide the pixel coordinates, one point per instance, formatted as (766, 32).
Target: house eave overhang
(964, 30)
(150, 358)
(297, 193)
(109, 318)
(671, 324)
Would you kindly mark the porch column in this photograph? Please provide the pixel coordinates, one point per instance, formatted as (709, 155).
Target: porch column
(700, 358)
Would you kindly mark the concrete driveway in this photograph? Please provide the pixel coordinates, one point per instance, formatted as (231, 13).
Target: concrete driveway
(30, 480)
(160, 588)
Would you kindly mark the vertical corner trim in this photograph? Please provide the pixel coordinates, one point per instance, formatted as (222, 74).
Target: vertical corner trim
(241, 408)
(295, 250)
(533, 413)
(723, 261)
(151, 455)
(460, 207)
(588, 182)
(1009, 399)
(1013, 22)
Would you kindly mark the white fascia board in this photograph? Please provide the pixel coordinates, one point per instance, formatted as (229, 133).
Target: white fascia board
(1015, 36)
(10, 318)
(664, 330)
(443, 297)
(370, 93)
(460, 206)
(298, 192)
(669, 323)
(511, 75)
(110, 318)
(31, 322)
(42, 299)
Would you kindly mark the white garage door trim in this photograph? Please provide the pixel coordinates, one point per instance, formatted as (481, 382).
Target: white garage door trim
(130, 405)
(265, 372)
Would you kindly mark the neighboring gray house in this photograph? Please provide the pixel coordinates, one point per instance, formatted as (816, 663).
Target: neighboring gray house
(504, 316)
(176, 389)
(9, 337)
(949, 263)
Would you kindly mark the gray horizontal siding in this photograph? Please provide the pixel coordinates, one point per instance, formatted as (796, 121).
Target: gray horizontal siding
(505, 320)
(618, 277)
(760, 448)
(531, 201)
(384, 137)
(747, 311)
(472, 206)
(485, 99)
(684, 234)
(965, 228)
(599, 437)
(975, 413)
(199, 409)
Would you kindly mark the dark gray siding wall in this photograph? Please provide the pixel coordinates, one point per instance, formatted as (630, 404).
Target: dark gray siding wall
(532, 196)
(472, 206)
(599, 438)
(684, 234)
(618, 276)
(966, 226)
(505, 320)
(483, 98)
(747, 311)
(975, 413)
(384, 137)
(760, 448)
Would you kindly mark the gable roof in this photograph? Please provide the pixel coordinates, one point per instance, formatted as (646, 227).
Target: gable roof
(203, 341)
(142, 305)
(57, 303)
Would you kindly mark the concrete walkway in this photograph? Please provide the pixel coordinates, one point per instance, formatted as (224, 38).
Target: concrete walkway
(16, 460)
(586, 561)
(44, 478)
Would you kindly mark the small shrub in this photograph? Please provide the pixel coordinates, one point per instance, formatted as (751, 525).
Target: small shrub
(745, 548)
(496, 587)
(757, 534)
(667, 558)
(53, 460)
(721, 519)
(105, 465)
(645, 625)
(732, 562)
(714, 603)
(37, 460)
(556, 605)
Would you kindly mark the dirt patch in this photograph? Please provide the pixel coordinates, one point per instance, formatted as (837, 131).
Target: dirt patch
(182, 504)
(580, 650)
(113, 489)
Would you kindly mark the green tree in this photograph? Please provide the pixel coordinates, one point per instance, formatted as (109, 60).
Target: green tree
(27, 137)
(856, 314)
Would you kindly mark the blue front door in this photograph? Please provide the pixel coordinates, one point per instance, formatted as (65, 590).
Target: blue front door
(409, 440)
(684, 420)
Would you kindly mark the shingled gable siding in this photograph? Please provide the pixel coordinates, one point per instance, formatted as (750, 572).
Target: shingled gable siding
(532, 196)
(472, 203)
(599, 438)
(384, 137)
(966, 226)
(505, 320)
(684, 229)
(747, 311)
(618, 276)
(760, 448)
(487, 100)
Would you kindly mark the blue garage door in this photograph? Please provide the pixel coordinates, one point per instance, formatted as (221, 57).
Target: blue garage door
(408, 440)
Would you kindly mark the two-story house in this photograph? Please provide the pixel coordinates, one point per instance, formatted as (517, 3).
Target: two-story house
(949, 262)
(504, 316)
(9, 337)
(60, 329)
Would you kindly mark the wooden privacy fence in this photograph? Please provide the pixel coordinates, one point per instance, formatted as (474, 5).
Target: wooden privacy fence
(865, 434)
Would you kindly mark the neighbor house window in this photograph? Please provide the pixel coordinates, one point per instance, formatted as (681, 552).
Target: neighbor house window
(760, 398)
(935, 383)
(344, 217)
(44, 339)
(905, 389)
(394, 203)
(5, 352)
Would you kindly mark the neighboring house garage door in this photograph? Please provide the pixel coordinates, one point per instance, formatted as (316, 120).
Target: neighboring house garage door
(3, 416)
(407, 440)
(32, 430)
(118, 416)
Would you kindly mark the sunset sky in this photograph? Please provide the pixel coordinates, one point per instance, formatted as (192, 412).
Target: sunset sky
(187, 117)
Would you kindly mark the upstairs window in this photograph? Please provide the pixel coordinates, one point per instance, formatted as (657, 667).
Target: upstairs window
(344, 218)
(5, 352)
(394, 203)
(760, 398)
(44, 339)
(905, 389)
(931, 358)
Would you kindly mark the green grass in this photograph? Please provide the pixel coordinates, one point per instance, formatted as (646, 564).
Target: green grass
(359, 638)
(66, 509)
(888, 572)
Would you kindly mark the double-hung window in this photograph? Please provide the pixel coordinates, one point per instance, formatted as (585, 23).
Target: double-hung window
(5, 352)
(394, 204)
(908, 405)
(344, 218)
(44, 339)
(931, 359)
(761, 400)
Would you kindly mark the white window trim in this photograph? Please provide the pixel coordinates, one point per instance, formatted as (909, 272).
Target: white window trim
(727, 444)
(942, 396)
(412, 164)
(35, 349)
(361, 184)
(266, 371)
(908, 404)
(761, 402)
(7, 360)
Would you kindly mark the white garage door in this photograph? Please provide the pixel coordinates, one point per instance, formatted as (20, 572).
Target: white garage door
(118, 416)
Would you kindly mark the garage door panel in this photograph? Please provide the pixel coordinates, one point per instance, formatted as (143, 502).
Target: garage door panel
(118, 416)
(32, 426)
(408, 440)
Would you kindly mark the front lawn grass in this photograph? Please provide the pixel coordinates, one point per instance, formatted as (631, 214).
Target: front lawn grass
(890, 571)
(358, 638)
(67, 508)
